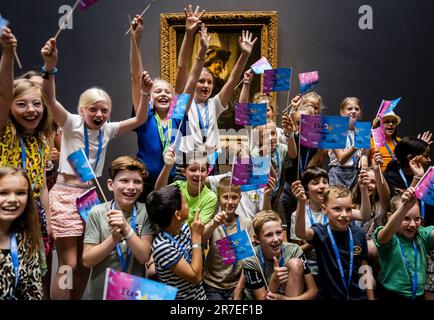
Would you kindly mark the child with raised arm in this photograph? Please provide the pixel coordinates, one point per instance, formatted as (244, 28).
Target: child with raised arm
(340, 246)
(283, 264)
(177, 249)
(198, 196)
(20, 238)
(402, 247)
(118, 233)
(159, 131)
(221, 279)
(344, 163)
(89, 130)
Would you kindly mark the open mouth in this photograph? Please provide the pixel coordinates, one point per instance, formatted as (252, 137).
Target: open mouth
(97, 122)
(204, 91)
(275, 246)
(163, 100)
(129, 195)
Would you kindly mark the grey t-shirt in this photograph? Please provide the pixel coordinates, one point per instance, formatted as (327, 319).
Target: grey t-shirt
(97, 230)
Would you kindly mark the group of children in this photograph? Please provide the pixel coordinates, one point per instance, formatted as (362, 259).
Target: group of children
(353, 232)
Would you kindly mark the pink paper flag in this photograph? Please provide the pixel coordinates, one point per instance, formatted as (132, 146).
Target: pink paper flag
(379, 137)
(424, 190)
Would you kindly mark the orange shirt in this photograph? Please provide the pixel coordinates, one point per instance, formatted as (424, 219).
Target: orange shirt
(387, 157)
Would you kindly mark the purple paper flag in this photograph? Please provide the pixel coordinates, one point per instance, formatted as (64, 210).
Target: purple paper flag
(324, 132)
(387, 106)
(250, 114)
(256, 171)
(277, 79)
(178, 106)
(81, 165)
(308, 80)
(260, 66)
(87, 201)
(424, 190)
(379, 137)
(84, 4)
(124, 286)
(235, 247)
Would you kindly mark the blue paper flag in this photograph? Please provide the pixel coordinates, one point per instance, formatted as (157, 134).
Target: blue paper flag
(255, 172)
(362, 136)
(242, 245)
(324, 132)
(250, 114)
(277, 79)
(178, 106)
(3, 23)
(81, 165)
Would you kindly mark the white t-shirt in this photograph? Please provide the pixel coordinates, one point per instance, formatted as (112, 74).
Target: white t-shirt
(350, 142)
(251, 201)
(194, 137)
(73, 140)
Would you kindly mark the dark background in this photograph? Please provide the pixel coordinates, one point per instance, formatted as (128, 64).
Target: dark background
(393, 60)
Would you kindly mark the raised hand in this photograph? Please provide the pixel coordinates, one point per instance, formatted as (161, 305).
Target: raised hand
(426, 136)
(137, 28)
(363, 179)
(245, 41)
(296, 102)
(192, 19)
(271, 185)
(408, 198)
(248, 77)
(416, 166)
(287, 125)
(169, 156)
(49, 54)
(220, 217)
(146, 82)
(378, 160)
(7, 39)
(298, 191)
(196, 228)
(204, 37)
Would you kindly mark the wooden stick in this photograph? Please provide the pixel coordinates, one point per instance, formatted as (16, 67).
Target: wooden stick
(17, 59)
(287, 102)
(141, 15)
(137, 49)
(239, 83)
(262, 272)
(67, 18)
(232, 174)
(298, 156)
(95, 178)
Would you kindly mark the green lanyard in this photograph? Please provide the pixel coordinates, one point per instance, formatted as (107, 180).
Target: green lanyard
(164, 142)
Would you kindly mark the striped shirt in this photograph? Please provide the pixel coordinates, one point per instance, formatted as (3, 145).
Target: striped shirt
(166, 253)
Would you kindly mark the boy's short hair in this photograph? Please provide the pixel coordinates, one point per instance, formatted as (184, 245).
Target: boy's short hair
(225, 184)
(161, 205)
(263, 217)
(336, 192)
(127, 163)
(198, 155)
(312, 173)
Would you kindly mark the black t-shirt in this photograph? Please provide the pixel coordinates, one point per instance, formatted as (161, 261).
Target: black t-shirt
(330, 282)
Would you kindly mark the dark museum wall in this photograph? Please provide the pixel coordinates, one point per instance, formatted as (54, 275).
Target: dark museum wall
(394, 59)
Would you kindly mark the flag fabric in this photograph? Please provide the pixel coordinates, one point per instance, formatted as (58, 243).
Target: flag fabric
(178, 106)
(84, 4)
(260, 66)
(251, 171)
(308, 80)
(277, 79)
(81, 165)
(362, 135)
(251, 187)
(424, 190)
(235, 247)
(387, 106)
(87, 201)
(379, 137)
(3, 23)
(324, 132)
(124, 286)
(250, 114)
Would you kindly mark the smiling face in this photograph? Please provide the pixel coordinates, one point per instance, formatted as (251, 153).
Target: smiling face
(371, 186)
(196, 174)
(339, 212)
(126, 187)
(271, 238)
(315, 103)
(352, 110)
(162, 95)
(13, 197)
(96, 114)
(204, 86)
(411, 222)
(268, 135)
(28, 109)
(390, 124)
(231, 200)
(316, 189)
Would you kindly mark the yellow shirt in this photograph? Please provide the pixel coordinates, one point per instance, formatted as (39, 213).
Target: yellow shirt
(387, 157)
(10, 155)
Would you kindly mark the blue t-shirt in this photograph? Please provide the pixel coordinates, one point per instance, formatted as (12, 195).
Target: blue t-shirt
(149, 143)
(330, 282)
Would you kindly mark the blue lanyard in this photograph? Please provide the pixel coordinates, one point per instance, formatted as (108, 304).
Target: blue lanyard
(309, 214)
(261, 256)
(86, 145)
(305, 160)
(390, 150)
(401, 173)
(200, 116)
(171, 239)
(226, 234)
(15, 262)
(415, 252)
(355, 152)
(422, 209)
(122, 262)
(24, 159)
(338, 258)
